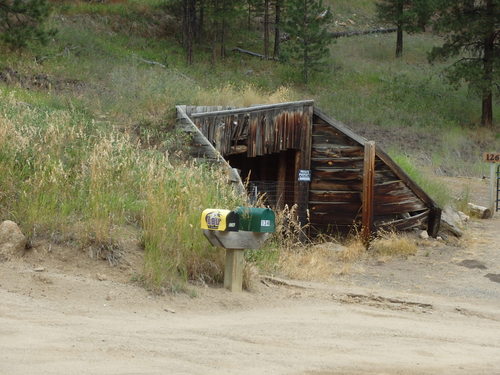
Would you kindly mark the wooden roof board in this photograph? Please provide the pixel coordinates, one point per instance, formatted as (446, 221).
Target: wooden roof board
(255, 108)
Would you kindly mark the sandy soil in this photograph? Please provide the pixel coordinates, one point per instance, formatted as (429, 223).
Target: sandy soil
(428, 314)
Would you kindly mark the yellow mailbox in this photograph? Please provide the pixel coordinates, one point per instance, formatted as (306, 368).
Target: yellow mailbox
(219, 220)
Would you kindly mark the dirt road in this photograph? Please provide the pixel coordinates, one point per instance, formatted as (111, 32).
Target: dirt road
(427, 315)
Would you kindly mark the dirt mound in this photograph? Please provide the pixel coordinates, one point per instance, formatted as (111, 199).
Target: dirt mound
(39, 81)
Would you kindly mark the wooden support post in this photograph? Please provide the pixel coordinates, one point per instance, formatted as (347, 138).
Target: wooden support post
(434, 221)
(368, 188)
(233, 273)
(493, 188)
(280, 196)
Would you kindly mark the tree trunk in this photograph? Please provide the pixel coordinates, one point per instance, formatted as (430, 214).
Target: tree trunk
(201, 20)
(306, 47)
(276, 53)
(191, 27)
(399, 42)
(222, 30)
(266, 28)
(487, 110)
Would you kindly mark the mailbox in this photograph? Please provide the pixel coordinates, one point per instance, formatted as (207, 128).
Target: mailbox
(257, 220)
(219, 220)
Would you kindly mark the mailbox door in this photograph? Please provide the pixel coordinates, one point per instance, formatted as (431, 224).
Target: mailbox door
(259, 220)
(220, 220)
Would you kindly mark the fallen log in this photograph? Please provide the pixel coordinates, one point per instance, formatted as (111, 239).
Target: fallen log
(479, 211)
(241, 50)
(342, 34)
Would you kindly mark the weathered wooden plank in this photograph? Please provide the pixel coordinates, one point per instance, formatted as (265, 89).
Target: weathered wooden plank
(368, 192)
(327, 150)
(399, 207)
(305, 139)
(258, 108)
(387, 187)
(434, 221)
(318, 196)
(340, 162)
(404, 224)
(336, 139)
(395, 197)
(318, 184)
(336, 208)
(333, 174)
(329, 218)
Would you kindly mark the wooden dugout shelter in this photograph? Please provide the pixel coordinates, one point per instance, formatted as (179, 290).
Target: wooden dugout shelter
(295, 154)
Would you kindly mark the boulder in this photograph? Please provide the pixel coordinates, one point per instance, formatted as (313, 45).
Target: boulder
(452, 222)
(12, 240)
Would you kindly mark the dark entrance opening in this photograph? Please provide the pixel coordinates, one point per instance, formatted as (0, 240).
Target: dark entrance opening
(270, 177)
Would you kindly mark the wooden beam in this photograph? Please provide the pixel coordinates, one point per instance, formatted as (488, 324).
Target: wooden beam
(280, 196)
(368, 192)
(305, 163)
(256, 108)
(434, 222)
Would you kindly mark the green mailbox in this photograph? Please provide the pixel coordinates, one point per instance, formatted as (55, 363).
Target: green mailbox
(258, 220)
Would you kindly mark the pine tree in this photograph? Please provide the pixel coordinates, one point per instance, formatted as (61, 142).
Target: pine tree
(406, 15)
(22, 21)
(471, 32)
(307, 25)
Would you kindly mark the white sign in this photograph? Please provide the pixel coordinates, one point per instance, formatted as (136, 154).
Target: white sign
(304, 175)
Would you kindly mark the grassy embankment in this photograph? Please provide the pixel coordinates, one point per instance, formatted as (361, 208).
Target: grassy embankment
(93, 151)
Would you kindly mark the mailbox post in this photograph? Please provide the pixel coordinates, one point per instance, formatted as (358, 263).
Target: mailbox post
(235, 231)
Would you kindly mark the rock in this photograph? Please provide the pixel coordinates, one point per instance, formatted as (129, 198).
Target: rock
(424, 235)
(465, 218)
(39, 269)
(452, 222)
(472, 263)
(101, 277)
(12, 240)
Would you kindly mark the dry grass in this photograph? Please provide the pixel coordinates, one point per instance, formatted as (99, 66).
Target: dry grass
(309, 263)
(60, 172)
(393, 244)
(353, 251)
(242, 96)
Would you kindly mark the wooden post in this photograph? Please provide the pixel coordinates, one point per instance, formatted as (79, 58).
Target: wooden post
(493, 188)
(368, 187)
(233, 273)
(434, 221)
(280, 193)
(303, 161)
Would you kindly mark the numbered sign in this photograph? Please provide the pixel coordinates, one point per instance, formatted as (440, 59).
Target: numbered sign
(491, 157)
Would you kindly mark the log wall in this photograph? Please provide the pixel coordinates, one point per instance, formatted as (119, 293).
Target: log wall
(335, 197)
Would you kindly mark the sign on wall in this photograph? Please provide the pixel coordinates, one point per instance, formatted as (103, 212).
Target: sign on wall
(305, 175)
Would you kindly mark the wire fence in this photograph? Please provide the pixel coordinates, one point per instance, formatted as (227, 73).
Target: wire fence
(275, 194)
